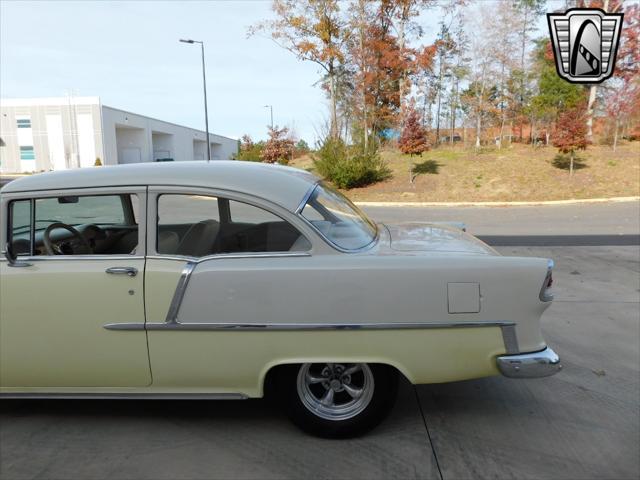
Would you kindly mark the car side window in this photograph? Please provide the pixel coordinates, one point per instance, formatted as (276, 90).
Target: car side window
(197, 226)
(20, 226)
(75, 225)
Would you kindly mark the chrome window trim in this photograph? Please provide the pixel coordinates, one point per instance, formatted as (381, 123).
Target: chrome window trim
(283, 327)
(306, 198)
(141, 191)
(156, 191)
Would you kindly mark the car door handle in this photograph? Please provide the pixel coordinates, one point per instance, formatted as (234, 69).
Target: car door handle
(130, 271)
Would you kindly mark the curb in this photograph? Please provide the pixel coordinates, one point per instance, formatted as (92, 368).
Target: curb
(499, 204)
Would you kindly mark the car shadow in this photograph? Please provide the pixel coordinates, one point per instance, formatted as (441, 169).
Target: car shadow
(87, 439)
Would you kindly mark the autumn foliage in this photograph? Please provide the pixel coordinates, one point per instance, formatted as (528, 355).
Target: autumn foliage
(571, 132)
(413, 140)
(280, 146)
(484, 73)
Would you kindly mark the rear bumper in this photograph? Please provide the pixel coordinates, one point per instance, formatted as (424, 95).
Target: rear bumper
(530, 365)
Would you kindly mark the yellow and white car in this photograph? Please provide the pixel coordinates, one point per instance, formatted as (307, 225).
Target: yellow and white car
(215, 280)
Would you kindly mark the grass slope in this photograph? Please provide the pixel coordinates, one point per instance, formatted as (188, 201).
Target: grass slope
(515, 173)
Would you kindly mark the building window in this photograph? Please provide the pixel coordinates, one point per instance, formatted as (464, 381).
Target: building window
(27, 153)
(24, 122)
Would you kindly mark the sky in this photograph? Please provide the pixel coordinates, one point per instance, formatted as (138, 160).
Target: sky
(128, 54)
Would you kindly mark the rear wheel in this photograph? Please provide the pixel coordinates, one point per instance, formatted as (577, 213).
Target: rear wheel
(337, 399)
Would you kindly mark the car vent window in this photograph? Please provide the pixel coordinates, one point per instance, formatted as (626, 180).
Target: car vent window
(20, 226)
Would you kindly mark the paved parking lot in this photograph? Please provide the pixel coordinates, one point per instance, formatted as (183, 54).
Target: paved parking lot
(582, 423)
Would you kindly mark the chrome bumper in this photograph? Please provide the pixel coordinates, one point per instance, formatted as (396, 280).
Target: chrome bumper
(530, 365)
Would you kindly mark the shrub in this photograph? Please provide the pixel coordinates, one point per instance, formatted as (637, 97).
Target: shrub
(279, 147)
(349, 166)
(249, 151)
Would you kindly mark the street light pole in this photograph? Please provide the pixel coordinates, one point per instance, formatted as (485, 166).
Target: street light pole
(270, 107)
(204, 85)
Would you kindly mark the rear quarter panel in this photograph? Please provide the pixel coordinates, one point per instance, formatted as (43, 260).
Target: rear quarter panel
(342, 289)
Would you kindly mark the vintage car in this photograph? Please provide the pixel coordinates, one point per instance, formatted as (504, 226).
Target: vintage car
(222, 280)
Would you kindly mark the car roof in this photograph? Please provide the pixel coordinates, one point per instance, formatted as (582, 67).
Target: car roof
(282, 185)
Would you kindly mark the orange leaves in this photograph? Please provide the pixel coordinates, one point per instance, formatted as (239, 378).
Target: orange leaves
(279, 148)
(307, 48)
(413, 140)
(571, 130)
(426, 56)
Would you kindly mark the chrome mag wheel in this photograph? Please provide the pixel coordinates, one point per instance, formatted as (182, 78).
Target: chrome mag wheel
(335, 391)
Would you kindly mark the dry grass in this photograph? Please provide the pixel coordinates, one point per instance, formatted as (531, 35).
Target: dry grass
(515, 173)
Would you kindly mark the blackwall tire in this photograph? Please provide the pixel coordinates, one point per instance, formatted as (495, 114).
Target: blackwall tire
(337, 400)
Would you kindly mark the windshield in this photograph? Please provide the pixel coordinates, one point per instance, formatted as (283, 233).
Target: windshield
(339, 220)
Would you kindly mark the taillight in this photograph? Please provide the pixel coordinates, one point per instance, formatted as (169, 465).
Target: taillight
(545, 291)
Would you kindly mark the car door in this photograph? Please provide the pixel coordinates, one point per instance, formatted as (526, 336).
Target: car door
(56, 303)
(203, 240)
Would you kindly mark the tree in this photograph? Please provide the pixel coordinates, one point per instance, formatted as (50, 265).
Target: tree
(444, 51)
(314, 30)
(388, 64)
(529, 10)
(501, 29)
(279, 148)
(628, 59)
(623, 100)
(403, 13)
(571, 133)
(553, 94)
(413, 140)
(302, 146)
(609, 6)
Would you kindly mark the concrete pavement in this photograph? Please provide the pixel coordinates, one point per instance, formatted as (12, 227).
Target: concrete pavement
(582, 423)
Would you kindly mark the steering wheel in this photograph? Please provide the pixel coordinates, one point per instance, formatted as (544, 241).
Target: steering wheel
(78, 245)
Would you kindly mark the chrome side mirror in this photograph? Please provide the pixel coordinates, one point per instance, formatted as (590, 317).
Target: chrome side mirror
(12, 258)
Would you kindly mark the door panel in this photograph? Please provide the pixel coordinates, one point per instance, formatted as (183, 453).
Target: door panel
(52, 324)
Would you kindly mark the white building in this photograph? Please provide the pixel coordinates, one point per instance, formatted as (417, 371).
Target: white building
(39, 134)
